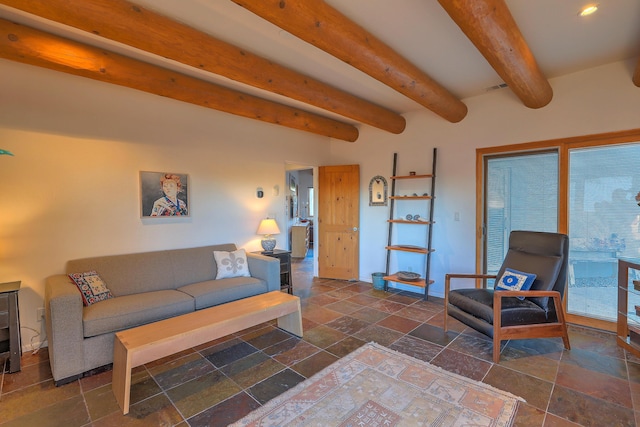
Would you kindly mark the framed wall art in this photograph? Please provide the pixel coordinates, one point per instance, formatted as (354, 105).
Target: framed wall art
(164, 194)
(378, 191)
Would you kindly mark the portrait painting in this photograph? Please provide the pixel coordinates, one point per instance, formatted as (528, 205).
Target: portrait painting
(164, 194)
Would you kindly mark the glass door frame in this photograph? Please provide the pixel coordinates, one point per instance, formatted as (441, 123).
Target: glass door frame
(562, 146)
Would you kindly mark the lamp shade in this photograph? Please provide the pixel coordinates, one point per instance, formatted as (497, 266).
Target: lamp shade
(268, 226)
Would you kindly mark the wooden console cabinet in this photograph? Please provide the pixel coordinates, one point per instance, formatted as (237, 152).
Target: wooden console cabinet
(299, 240)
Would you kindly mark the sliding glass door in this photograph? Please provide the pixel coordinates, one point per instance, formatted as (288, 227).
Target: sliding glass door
(603, 225)
(585, 187)
(521, 193)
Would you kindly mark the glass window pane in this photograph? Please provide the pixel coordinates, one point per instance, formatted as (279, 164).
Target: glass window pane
(522, 194)
(603, 225)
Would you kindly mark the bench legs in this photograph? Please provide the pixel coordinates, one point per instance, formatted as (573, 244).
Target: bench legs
(123, 356)
(292, 322)
(121, 379)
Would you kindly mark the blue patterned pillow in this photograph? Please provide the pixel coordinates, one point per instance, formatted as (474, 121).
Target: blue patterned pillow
(514, 280)
(91, 286)
(231, 264)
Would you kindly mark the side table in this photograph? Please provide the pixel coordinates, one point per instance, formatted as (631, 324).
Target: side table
(10, 325)
(285, 267)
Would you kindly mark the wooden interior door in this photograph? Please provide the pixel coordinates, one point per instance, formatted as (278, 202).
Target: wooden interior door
(339, 222)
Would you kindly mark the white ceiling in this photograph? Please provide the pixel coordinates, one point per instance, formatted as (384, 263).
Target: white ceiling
(420, 30)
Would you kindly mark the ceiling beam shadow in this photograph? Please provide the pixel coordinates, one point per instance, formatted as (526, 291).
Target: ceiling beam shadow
(30, 46)
(144, 29)
(491, 28)
(319, 24)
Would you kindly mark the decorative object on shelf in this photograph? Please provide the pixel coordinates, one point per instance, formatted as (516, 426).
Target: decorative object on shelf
(163, 194)
(637, 197)
(416, 217)
(409, 217)
(268, 227)
(378, 191)
(412, 173)
(408, 276)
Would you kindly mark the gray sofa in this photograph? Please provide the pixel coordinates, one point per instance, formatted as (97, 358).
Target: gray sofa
(147, 287)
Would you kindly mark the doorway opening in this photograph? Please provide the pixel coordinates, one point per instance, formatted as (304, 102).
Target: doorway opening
(300, 213)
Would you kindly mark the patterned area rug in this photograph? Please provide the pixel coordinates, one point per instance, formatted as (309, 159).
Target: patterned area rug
(375, 386)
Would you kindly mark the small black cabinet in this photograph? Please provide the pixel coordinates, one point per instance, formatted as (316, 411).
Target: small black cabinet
(285, 267)
(10, 325)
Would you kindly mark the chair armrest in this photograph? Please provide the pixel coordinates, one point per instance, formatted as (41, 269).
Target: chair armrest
(449, 276)
(470, 276)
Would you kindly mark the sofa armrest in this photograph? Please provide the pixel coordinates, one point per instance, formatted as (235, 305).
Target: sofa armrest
(265, 268)
(63, 311)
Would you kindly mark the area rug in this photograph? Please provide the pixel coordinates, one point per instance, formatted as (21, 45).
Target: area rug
(375, 386)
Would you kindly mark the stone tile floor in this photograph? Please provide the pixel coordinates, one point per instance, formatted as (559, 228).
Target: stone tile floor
(594, 384)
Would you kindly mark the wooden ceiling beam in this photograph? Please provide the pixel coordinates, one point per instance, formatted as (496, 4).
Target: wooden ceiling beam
(319, 24)
(636, 74)
(144, 29)
(491, 28)
(30, 46)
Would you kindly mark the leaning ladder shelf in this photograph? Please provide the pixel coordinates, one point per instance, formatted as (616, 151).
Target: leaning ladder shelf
(425, 280)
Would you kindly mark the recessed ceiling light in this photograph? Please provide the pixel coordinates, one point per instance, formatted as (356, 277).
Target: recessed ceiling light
(588, 10)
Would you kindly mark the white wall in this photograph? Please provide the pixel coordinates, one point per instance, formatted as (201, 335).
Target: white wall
(602, 99)
(72, 189)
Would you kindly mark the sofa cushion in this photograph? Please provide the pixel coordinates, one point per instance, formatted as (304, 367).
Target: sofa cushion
(128, 311)
(91, 287)
(231, 264)
(132, 273)
(220, 291)
(194, 265)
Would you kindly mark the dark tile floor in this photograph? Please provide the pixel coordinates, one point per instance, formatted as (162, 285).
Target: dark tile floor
(594, 384)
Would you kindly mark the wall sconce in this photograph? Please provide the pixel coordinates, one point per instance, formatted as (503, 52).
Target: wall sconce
(268, 227)
(259, 193)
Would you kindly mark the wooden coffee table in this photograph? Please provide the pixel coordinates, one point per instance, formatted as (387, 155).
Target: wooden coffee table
(144, 344)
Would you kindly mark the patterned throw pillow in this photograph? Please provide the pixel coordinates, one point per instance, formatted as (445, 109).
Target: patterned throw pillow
(91, 286)
(514, 280)
(231, 264)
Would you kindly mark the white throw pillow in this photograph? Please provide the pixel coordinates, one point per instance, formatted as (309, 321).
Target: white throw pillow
(231, 264)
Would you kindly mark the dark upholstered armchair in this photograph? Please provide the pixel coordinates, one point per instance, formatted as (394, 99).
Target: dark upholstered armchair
(500, 314)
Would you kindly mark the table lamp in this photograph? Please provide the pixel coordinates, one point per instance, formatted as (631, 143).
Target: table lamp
(268, 227)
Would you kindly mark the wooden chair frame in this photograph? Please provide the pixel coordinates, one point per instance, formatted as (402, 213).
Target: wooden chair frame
(500, 333)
